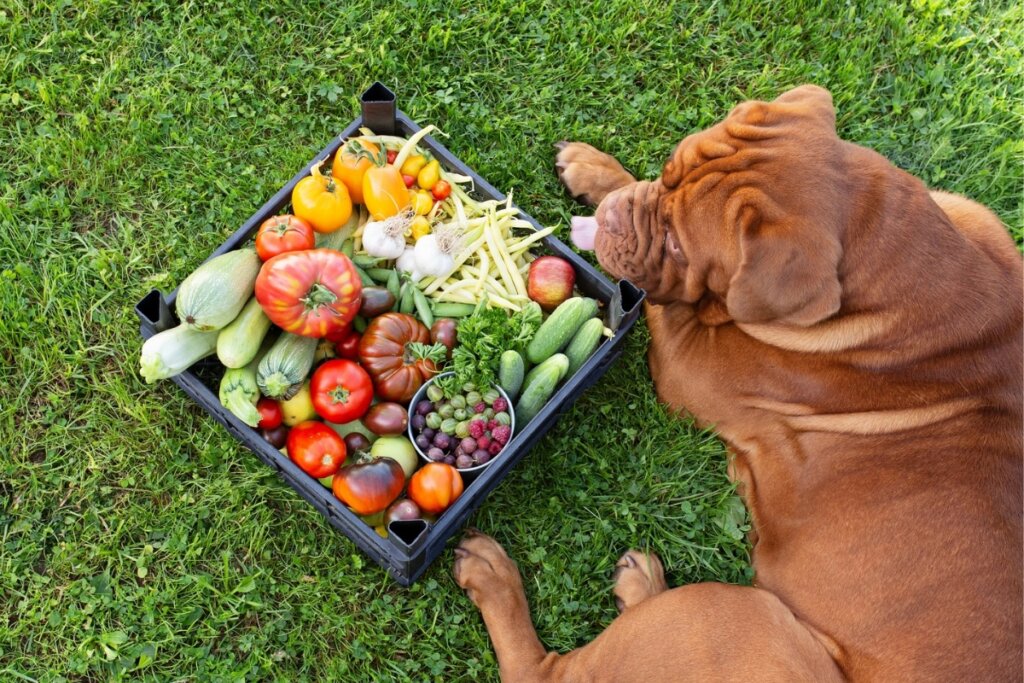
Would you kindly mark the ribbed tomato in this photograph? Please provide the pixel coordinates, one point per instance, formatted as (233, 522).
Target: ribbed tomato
(312, 293)
(395, 349)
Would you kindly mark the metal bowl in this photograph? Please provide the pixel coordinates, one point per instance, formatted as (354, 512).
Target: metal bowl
(421, 394)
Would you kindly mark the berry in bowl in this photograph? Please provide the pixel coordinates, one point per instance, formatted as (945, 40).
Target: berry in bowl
(467, 430)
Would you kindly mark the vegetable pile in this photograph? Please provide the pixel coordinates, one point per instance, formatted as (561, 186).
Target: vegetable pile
(386, 274)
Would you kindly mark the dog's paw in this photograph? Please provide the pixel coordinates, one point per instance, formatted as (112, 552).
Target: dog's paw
(484, 570)
(637, 577)
(589, 174)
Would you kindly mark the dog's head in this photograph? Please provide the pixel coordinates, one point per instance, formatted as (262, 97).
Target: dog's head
(746, 214)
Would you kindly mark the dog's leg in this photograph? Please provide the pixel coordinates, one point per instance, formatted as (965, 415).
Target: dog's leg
(589, 174)
(706, 631)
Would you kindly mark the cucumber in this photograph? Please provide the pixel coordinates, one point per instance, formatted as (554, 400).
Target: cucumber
(215, 292)
(584, 343)
(560, 327)
(511, 369)
(450, 310)
(422, 305)
(238, 343)
(286, 365)
(559, 362)
(539, 386)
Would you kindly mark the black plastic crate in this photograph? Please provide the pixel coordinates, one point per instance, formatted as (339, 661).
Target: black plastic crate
(410, 546)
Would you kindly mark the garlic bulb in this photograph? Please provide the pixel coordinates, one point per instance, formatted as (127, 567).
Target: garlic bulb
(435, 253)
(386, 239)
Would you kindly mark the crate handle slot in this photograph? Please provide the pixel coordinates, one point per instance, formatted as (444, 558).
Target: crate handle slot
(379, 110)
(407, 533)
(154, 312)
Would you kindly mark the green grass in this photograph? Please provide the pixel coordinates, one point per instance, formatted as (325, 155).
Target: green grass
(136, 539)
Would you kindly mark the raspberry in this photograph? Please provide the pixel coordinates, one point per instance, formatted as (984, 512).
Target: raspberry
(480, 407)
(483, 441)
(501, 434)
(500, 404)
(476, 429)
(495, 448)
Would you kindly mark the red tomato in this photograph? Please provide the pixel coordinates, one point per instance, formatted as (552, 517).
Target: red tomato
(441, 190)
(348, 347)
(316, 448)
(279, 234)
(313, 293)
(341, 390)
(435, 486)
(271, 414)
(392, 155)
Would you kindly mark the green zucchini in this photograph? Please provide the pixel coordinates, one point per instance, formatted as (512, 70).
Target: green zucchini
(216, 291)
(238, 343)
(445, 309)
(584, 343)
(560, 327)
(282, 371)
(538, 387)
(172, 351)
(511, 369)
(239, 392)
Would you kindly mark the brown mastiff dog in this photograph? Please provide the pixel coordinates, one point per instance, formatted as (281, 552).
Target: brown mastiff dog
(856, 341)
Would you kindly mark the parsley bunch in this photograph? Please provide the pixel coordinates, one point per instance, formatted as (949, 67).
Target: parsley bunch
(481, 339)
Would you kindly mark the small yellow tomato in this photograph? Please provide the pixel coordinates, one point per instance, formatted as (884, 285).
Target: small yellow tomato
(413, 165)
(420, 226)
(429, 175)
(422, 202)
(321, 201)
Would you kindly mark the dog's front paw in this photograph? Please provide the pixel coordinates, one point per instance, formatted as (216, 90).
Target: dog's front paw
(484, 570)
(589, 174)
(637, 576)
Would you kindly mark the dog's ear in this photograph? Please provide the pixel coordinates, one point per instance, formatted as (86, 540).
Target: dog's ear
(788, 271)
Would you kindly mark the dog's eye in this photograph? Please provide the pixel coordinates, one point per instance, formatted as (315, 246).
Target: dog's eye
(675, 252)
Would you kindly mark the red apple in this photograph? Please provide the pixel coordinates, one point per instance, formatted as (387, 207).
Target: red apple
(550, 281)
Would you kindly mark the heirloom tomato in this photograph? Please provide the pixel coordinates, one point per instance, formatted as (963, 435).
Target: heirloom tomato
(313, 293)
(395, 349)
(368, 486)
(435, 486)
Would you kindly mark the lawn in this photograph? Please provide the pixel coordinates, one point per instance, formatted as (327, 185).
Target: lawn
(137, 540)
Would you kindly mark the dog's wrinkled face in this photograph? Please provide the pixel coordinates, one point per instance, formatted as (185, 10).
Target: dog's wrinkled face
(747, 214)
